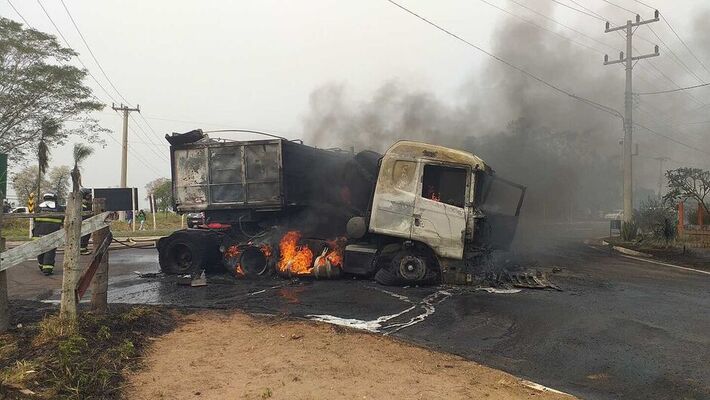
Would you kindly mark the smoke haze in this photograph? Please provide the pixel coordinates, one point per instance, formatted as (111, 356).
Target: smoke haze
(565, 151)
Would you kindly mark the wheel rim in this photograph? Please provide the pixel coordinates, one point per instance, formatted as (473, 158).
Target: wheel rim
(182, 257)
(253, 261)
(412, 268)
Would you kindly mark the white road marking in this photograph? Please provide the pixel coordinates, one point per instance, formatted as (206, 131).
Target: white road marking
(542, 388)
(655, 262)
(667, 265)
(500, 291)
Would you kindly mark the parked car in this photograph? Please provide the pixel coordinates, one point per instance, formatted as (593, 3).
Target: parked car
(19, 210)
(194, 220)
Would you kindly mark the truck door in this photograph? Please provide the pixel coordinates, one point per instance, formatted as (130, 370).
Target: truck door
(439, 215)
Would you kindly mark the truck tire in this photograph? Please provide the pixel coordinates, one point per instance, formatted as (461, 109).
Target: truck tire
(407, 267)
(187, 252)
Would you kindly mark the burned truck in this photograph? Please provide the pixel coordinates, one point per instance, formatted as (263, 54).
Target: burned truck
(417, 214)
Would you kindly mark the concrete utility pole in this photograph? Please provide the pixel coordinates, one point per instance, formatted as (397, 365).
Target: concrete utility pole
(628, 59)
(124, 154)
(661, 160)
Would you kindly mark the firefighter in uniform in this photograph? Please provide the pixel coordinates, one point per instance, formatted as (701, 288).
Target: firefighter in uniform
(85, 206)
(46, 225)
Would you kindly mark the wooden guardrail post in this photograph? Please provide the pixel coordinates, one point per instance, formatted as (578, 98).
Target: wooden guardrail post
(99, 286)
(70, 265)
(4, 302)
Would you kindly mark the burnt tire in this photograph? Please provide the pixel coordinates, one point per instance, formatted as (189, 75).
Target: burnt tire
(187, 252)
(407, 267)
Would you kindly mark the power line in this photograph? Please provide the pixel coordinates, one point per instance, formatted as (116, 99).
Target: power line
(652, 64)
(578, 10)
(684, 65)
(145, 135)
(591, 103)
(135, 155)
(542, 27)
(18, 13)
(671, 139)
(676, 90)
(76, 55)
(665, 20)
(561, 24)
(91, 51)
(618, 6)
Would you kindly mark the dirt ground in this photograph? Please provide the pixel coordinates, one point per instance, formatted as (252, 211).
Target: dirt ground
(235, 356)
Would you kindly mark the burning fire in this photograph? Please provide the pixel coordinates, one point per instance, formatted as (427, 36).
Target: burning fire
(335, 251)
(299, 259)
(233, 252)
(432, 194)
(294, 259)
(266, 249)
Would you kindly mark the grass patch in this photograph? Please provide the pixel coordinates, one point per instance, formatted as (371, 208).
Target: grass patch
(55, 362)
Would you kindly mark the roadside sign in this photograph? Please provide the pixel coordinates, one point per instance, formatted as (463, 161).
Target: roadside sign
(117, 199)
(615, 224)
(31, 203)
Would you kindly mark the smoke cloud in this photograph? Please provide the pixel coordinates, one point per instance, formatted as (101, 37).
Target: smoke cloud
(566, 152)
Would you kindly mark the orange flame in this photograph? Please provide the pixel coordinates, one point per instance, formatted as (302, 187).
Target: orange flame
(266, 249)
(239, 271)
(233, 252)
(335, 252)
(298, 260)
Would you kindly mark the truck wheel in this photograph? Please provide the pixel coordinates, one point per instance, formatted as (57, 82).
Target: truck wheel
(407, 267)
(182, 254)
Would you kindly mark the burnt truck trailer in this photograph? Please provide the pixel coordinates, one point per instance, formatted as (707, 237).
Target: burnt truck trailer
(419, 213)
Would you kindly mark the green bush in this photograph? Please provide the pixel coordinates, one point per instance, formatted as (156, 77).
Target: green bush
(629, 231)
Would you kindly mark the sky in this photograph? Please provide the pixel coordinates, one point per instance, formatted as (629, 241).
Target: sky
(254, 64)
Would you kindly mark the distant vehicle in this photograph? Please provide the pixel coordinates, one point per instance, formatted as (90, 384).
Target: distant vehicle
(195, 220)
(616, 214)
(19, 210)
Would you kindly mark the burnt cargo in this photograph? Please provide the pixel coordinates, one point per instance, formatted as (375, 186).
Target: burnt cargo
(268, 175)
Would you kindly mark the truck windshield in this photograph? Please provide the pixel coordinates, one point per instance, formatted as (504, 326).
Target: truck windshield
(444, 184)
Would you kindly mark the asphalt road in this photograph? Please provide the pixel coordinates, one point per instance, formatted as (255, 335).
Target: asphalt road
(621, 328)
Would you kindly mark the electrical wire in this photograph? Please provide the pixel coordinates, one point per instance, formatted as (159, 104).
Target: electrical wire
(76, 55)
(675, 90)
(665, 20)
(18, 13)
(147, 137)
(561, 24)
(684, 65)
(649, 62)
(618, 6)
(91, 52)
(578, 10)
(542, 27)
(671, 139)
(589, 102)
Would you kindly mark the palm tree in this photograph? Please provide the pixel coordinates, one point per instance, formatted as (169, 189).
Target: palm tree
(81, 152)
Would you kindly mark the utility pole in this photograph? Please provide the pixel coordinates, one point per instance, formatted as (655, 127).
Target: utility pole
(124, 154)
(661, 160)
(628, 59)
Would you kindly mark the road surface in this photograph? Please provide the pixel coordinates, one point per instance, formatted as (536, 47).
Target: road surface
(621, 328)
